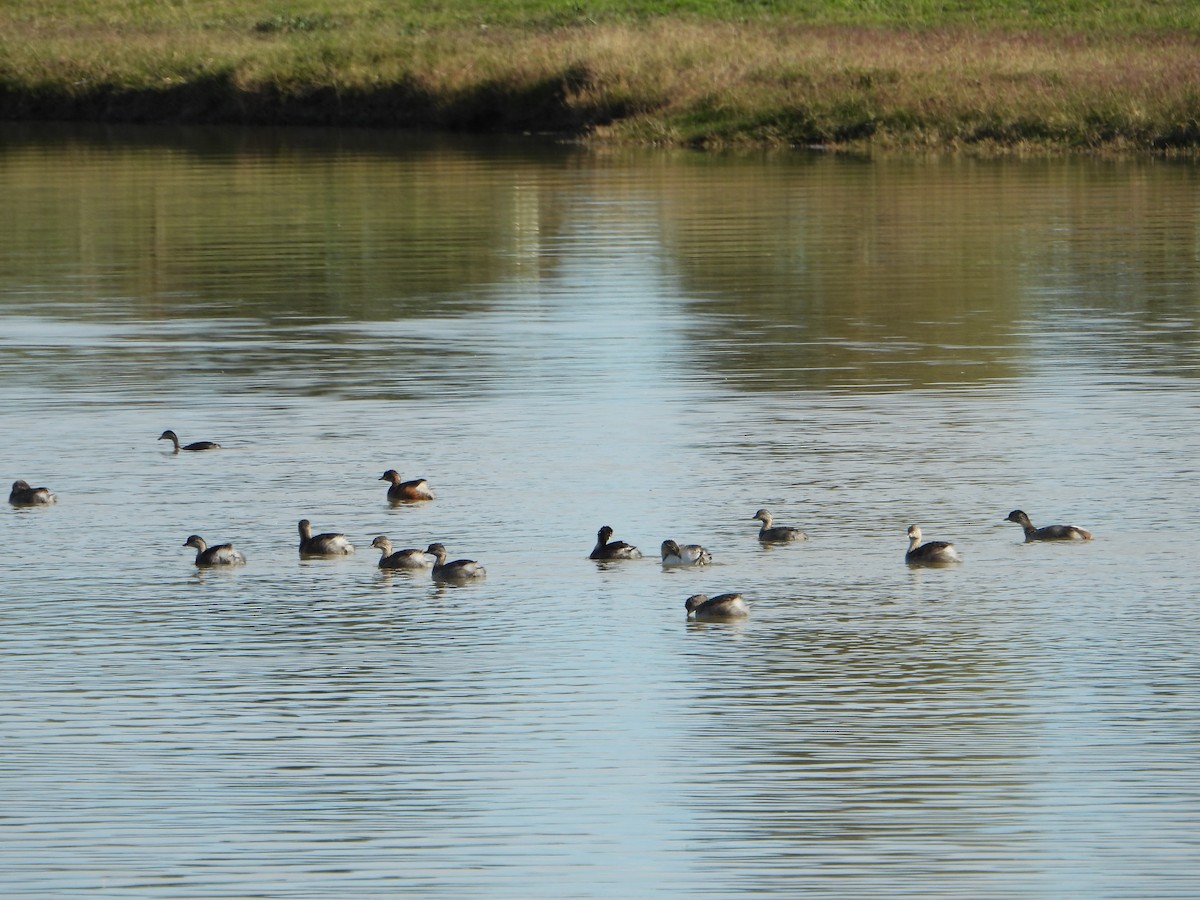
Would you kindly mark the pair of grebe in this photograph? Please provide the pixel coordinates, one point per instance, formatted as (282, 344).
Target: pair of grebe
(942, 552)
(432, 557)
(672, 553)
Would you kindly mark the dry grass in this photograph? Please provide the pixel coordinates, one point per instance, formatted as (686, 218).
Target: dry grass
(677, 81)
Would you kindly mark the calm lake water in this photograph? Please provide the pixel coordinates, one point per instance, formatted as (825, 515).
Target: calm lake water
(560, 339)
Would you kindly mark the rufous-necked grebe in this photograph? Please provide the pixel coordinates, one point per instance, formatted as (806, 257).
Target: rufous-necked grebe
(416, 489)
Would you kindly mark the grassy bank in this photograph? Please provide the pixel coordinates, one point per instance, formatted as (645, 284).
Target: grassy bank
(1074, 75)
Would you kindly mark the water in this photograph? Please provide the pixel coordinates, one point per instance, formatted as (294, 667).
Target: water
(559, 339)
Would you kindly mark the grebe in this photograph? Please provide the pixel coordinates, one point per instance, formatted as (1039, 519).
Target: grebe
(1047, 532)
(606, 549)
(723, 606)
(328, 544)
(777, 534)
(220, 555)
(459, 570)
(401, 559)
(24, 495)
(417, 489)
(932, 553)
(198, 445)
(687, 555)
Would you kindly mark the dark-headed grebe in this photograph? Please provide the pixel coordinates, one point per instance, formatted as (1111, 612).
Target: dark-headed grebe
(459, 570)
(401, 559)
(606, 549)
(777, 534)
(328, 544)
(416, 489)
(723, 606)
(930, 554)
(198, 445)
(24, 495)
(220, 555)
(1047, 532)
(687, 555)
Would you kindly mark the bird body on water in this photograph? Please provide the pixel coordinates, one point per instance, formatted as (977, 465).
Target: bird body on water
(414, 489)
(687, 555)
(776, 534)
(606, 549)
(24, 495)
(1047, 532)
(327, 544)
(194, 446)
(722, 606)
(219, 555)
(401, 559)
(933, 553)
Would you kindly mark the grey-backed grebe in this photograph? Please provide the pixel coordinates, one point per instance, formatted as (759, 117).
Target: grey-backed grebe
(220, 555)
(458, 570)
(401, 559)
(606, 549)
(687, 555)
(24, 495)
(776, 534)
(197, 445)
(929, 554)
(328, 544)
(1047, 532)
(723, 606)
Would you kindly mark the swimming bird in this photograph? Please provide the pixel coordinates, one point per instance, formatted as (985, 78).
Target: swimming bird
(687, 555)
(416, 489)
(401, 559)
(723, 606)
(220, 555)
(197, 445)
(459, 570)
(1047, 532)
(932, 553)
(328, 544)
(24, 495)
(777, 534)
(606, 549)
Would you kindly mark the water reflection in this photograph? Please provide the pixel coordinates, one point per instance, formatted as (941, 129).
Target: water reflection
(800, 272)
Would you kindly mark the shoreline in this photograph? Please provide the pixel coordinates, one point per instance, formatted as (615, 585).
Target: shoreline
(674, 83)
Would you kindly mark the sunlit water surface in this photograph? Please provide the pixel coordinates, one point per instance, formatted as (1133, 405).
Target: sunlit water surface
(558, 340)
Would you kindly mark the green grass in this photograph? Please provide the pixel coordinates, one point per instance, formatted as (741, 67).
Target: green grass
(313, 15)
(1005, 75)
